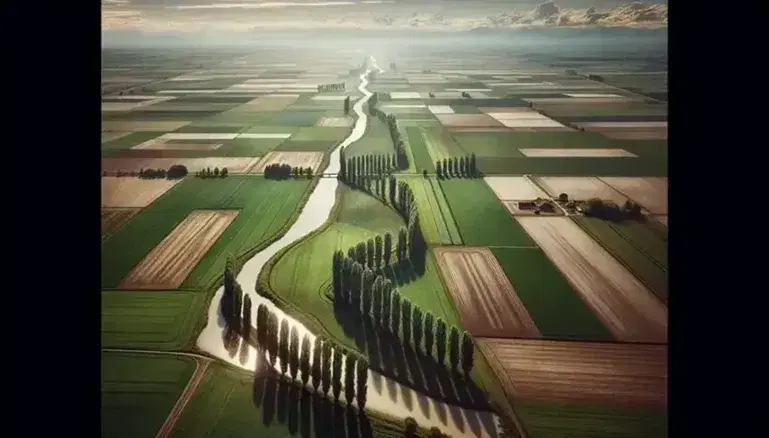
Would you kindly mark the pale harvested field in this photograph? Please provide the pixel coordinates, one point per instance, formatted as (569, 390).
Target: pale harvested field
(334, 122)
(293, 159)
(582, 153)
(404, 95)
(468, 120)
(627, 308)
(268, 104)
(633, 134)
(581, 372)
(518, 188)
(580, 188)
(507, 110)
(113, 218)
(487, 303)
(171, 146)
(169, 263)
(132, 192)
(650, 192)
(442, 95)
(233, 164)
(109, 136)
(150, 126)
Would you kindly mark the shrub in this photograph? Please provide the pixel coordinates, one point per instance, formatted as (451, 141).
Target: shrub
(177, 171)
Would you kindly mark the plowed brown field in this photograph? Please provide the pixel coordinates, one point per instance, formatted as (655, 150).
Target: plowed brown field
(133, 192)
(487, 302)
(293, 159)
(581, 372)
(113, 218)
(628, 309)
(169, 263)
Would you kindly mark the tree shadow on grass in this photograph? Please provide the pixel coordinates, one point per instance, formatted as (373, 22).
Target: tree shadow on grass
(305, 413)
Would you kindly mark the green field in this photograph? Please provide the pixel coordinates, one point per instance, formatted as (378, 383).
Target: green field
(435, 217)
(248, 147)
(265, 207)
(318, 133)
(556, 309)
(128, 141)
(376, 140)
(636, 246)
(138, 391)
(422, 159)
(439, 144)
(471, 201)
(556, 421)
(152, 320)
(506, 144)
(225, 128)
(230, 403)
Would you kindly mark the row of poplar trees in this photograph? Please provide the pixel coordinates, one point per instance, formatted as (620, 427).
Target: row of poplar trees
(463, 167)
(401, 158)
(322, 369)
(358, 280)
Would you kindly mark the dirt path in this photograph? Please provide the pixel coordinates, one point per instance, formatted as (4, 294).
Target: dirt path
(192, 385)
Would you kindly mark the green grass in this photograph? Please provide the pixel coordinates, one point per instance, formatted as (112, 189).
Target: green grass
(620, 166)
(128, 141)
(440, 144)
(556, 421)
(270, 129)
(212, 128)
(506, 144)
(138, 391)
(151, 320)
(296, 118)
(422, 159)
(636, 246)
(376, 140)
(315, 133)
(435, 217)
(264, 207)
(229, 403)
(249, 147)
(482, 220)
(555, 308)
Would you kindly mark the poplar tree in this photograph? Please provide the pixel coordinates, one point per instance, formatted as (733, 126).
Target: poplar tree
(316, 362)
(440, 340)
(454, 347)
(388, 249)
(429, 333)
(304, 360)
(293, 354)
(361, 387)
(468, 351)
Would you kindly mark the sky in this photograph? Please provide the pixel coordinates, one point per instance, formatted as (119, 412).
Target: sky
(237, 16)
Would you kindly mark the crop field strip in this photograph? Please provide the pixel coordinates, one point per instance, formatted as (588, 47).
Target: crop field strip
(487, 303)
(602, 373)
(436, 219)
(622, 302)
(169, 263)
(114, 218)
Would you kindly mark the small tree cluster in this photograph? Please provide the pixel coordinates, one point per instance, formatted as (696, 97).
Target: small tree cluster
(322, 88)
(177, 171)
(610, 211)
(465, 94)
(284, 171)
(460, 167)
(216, 173)
(392, 66)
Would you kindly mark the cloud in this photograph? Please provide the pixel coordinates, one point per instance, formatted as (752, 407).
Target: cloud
(370, 14)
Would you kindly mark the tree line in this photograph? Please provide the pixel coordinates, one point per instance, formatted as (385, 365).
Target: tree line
(323, 369)
(284, 171)
(347, 105)
(208, 173)
(331, 87)
(463, 167)
(359, 282)
(355, 170)
(177, 171)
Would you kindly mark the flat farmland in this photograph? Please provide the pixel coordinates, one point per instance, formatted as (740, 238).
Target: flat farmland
(138, 391)
(554, 305)
(125, 140)
(470, 201)
(113, 218)
(601, 373)
(132, 192)
(293, 159)
(637, 246)
(436, 220)
(557, 420)
(111, 165)
(143, 125)
(488, 305)
(421, 157)
(376, 140)
(507, 144)
(652, 193)
(514, 188)
(265, 208)
(439, 144)
(580, 189)
(163, 320)
(169, 263)
(625, 305)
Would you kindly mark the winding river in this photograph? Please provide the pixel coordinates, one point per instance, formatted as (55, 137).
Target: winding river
(385, 395)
